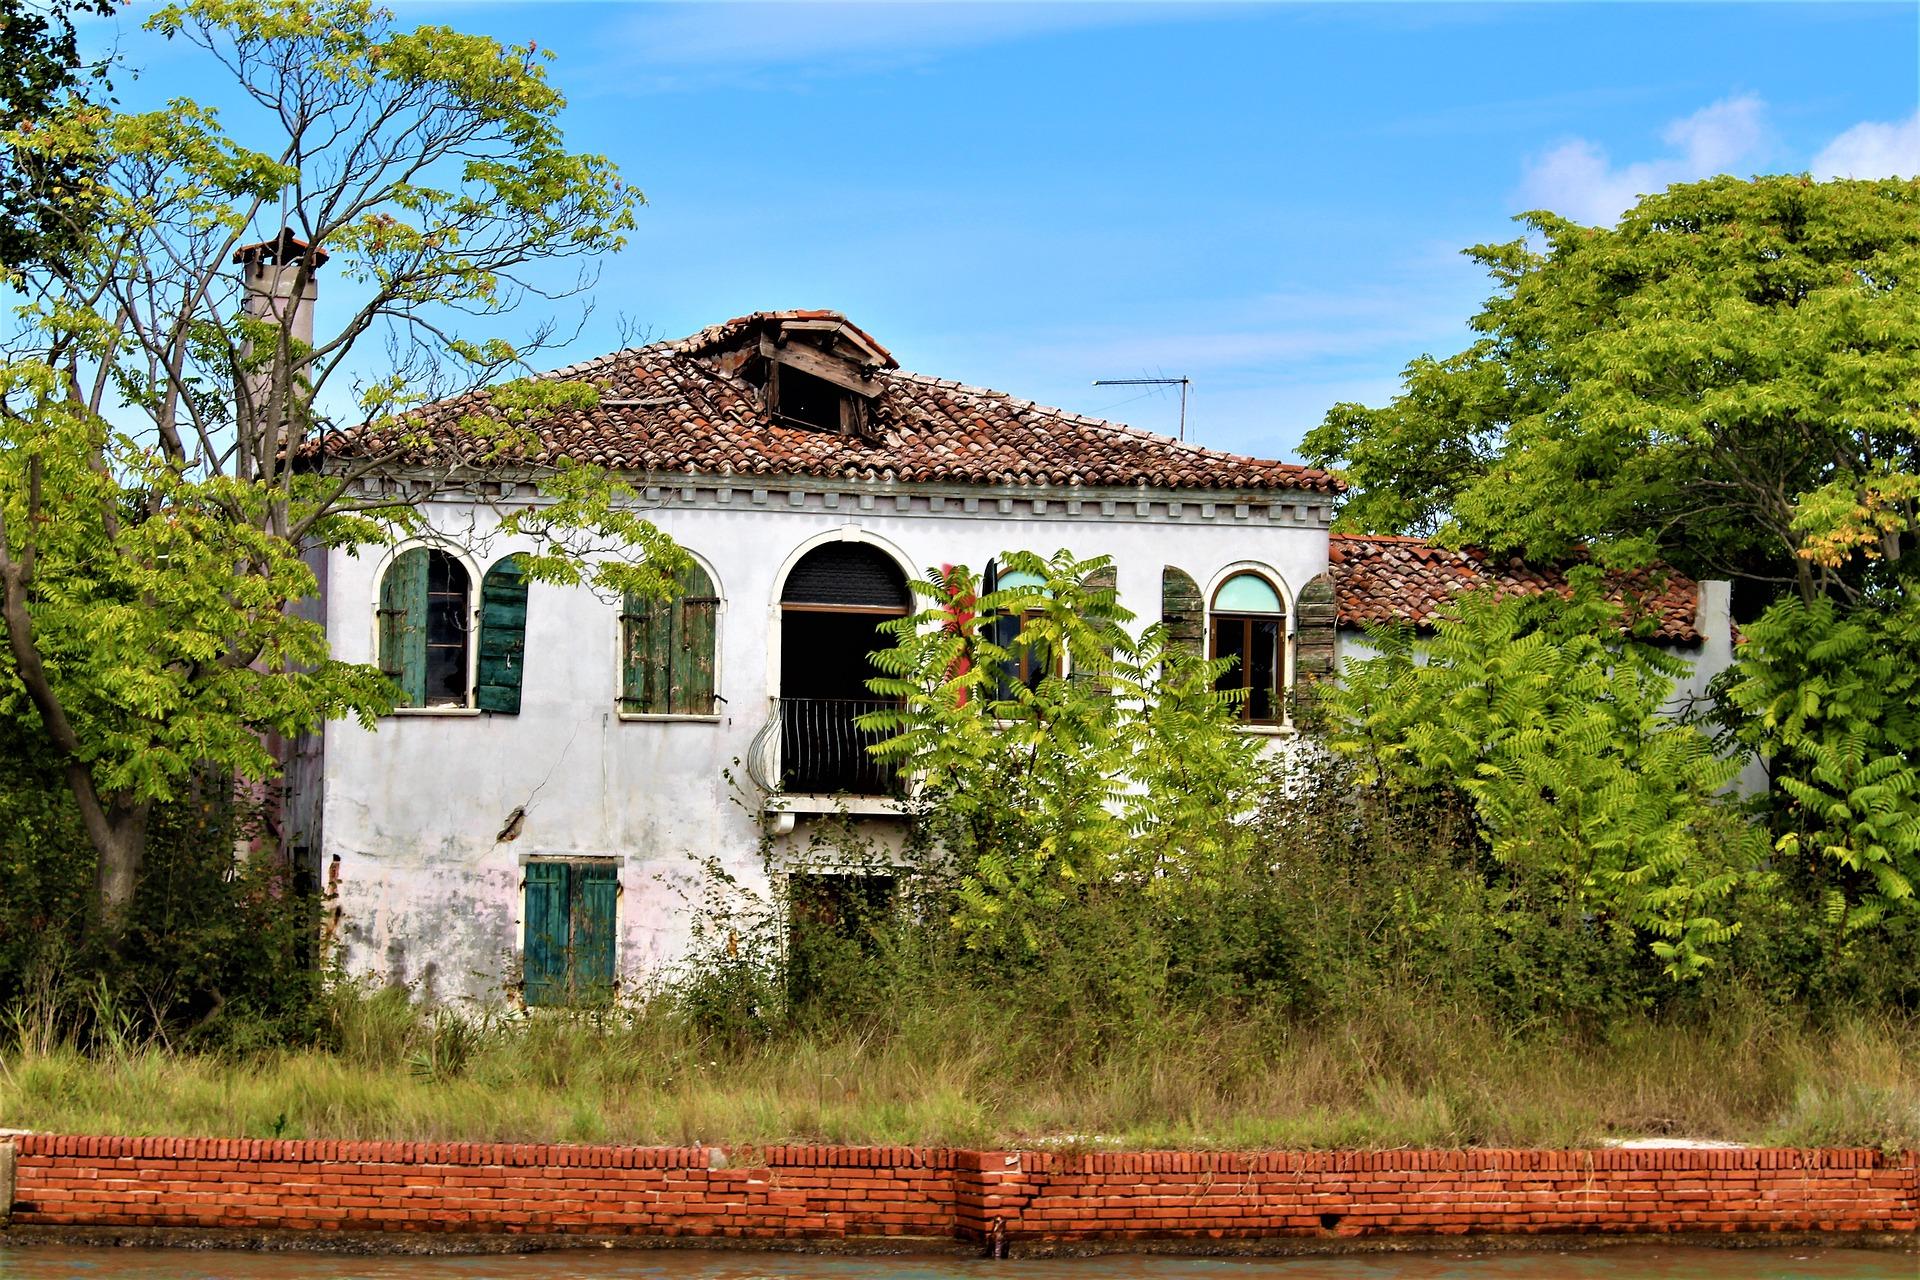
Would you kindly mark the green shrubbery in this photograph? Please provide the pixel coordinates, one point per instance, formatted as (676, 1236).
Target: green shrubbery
(1112, 917)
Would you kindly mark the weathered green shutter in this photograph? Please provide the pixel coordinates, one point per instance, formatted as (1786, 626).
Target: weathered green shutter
(636, 624)
(595, 906)
(503, 637)
(667, 660)
(1107, 579)
(544, 964)
(694, 633)
(1182, 610)
(1317, 616)
(403, 625)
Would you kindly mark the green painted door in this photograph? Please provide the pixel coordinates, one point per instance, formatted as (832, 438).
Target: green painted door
(596, 890)
(571, 918)
(544, 964)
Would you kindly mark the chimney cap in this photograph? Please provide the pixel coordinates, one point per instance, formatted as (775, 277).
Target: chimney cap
(279, 251)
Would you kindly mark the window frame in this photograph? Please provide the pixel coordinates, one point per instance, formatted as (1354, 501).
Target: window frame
(466, 707)
(1281, 722)
(621, 623)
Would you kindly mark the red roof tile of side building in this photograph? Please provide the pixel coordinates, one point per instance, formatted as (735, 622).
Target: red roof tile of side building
(671, 409)
(1379, 578)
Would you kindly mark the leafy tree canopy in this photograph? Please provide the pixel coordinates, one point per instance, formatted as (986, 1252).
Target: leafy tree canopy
(40, 69)
(1728, 379)
(158, 421)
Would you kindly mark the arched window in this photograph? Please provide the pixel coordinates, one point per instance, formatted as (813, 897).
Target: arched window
(834, 609)
(667, 649)
(1027, 664)
(426, 624)
(1249, 625)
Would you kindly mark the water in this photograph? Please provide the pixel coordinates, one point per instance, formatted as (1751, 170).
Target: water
(1625, 1262)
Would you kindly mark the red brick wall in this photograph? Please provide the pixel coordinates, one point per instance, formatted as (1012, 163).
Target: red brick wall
(905, 1191)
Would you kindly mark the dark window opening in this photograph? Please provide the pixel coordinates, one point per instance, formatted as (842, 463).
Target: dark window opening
(807, 401)
(1028, 662)
(834, 610)
(836, 923)
(1254, 643)
(448, 627)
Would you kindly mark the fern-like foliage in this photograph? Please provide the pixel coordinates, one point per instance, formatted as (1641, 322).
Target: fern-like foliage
(1118, 763)
(1831, 697)
(1555, 726)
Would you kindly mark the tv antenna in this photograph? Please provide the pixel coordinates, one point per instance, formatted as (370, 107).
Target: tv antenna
(1182, 383)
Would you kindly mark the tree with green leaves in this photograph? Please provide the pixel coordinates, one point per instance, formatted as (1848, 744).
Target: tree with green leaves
(41, 71)
(1729, 381)
(1053, 754)
(1554, 726)
(162, 414)
(1727, 378)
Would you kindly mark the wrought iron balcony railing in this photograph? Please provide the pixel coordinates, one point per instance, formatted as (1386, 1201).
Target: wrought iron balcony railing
(814, 746)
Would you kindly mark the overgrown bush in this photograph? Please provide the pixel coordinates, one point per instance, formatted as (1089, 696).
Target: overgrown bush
(220, 950)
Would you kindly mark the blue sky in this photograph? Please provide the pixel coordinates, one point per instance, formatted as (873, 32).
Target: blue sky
(1267, 199)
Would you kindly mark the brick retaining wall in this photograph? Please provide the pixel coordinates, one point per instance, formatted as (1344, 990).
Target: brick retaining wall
(846, 1192)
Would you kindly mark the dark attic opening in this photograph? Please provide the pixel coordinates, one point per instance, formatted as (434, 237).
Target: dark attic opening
(804, 400)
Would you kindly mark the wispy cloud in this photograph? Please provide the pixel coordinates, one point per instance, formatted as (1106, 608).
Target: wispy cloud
(1873, 149)
(1577, 179)
(680, 46)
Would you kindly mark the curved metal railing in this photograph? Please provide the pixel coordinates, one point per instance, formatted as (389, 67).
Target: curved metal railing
(815, 746)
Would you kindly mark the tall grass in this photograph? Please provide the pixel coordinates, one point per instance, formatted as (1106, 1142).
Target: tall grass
(1402, 1072)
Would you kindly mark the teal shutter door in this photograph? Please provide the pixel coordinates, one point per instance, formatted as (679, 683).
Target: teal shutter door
(403, 625)
(544, 964)
(596, 892)
(503, 637)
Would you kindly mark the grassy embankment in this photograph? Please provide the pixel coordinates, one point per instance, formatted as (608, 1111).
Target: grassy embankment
(1404, 1073)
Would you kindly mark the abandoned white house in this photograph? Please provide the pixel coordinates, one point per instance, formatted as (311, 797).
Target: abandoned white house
(564, 759)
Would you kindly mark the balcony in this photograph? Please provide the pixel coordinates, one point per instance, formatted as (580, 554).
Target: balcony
(815, 747)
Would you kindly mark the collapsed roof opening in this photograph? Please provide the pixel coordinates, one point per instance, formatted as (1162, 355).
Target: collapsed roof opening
(804, 400)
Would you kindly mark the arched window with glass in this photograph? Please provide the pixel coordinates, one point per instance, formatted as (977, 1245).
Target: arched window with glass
(1026, 664)
(1248, 623)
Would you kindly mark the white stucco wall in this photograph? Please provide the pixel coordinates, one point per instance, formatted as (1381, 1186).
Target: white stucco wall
(428, 895)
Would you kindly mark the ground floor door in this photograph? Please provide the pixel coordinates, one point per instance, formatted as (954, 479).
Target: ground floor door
(571, 912)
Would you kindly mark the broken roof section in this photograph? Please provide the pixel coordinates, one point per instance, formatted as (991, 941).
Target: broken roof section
(700, 406)
(1378, 578)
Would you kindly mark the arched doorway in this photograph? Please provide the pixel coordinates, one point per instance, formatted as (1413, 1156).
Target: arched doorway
(836, 598)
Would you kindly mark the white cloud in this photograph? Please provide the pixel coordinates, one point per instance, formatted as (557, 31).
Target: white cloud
(1873, 150)
(1578, 180)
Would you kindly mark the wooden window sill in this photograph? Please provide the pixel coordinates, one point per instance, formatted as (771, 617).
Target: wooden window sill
(453, 712)
(670, 717)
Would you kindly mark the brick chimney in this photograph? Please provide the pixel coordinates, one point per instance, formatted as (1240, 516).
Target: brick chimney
(270, 272)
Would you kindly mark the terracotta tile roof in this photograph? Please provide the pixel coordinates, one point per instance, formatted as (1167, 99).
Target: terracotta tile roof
(1381, 579)
(667, 410)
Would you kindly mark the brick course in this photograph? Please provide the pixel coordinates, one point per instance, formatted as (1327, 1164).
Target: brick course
(818, 1192)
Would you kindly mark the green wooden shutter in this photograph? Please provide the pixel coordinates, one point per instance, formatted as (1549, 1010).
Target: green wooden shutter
(503, 637)
(403, 625)
(1107, 579)
(636, 625)
(667, 659)
(544, 963)
(1317, 617)
(1182, 609)
(695, 618)
(594, 912)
